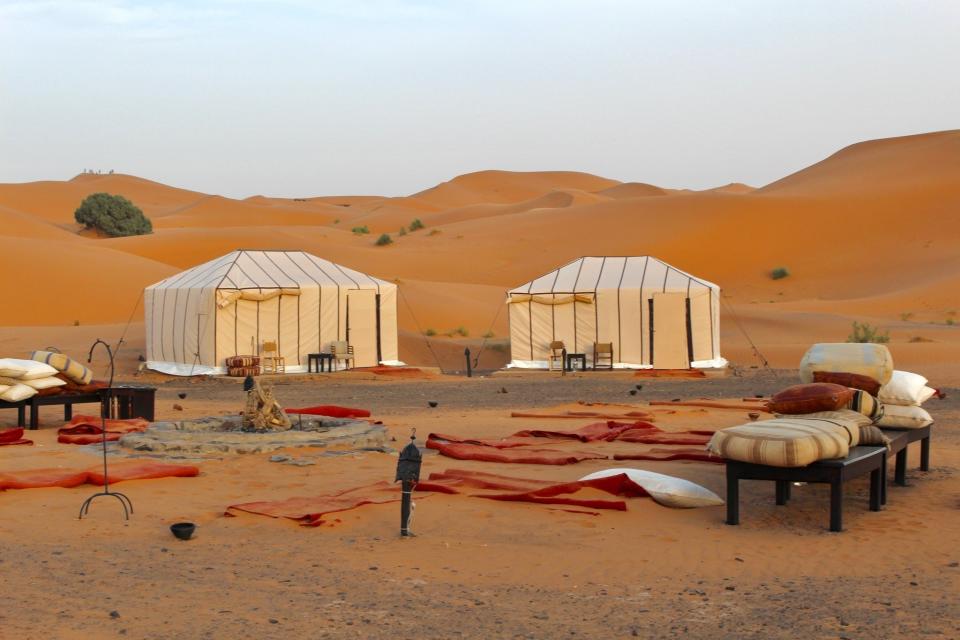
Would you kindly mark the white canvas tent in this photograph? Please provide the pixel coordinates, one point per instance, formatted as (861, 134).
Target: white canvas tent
(231, 305)
(655, 315)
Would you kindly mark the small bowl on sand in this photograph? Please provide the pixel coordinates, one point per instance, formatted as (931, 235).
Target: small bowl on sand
(183, 530)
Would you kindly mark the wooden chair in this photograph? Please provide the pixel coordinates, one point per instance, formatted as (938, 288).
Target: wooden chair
(602, 355)
(556, 354)
(270, 359)
(342, 351)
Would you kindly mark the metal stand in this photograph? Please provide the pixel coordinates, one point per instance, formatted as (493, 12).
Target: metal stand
(405, 504)
(105, 408)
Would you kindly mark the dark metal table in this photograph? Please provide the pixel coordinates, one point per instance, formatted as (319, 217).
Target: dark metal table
(574, 358)
(318, 360)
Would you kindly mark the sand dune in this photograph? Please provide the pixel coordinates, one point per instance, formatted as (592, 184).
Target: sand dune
(867, 233)
(632, 190)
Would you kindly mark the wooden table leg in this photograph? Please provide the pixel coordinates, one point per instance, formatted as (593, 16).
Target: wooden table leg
(22, 416)
(836, 505)
(925, 454)
(900, 470)
(883, 481)
(876, 483)
(733, 495)
(783, 489)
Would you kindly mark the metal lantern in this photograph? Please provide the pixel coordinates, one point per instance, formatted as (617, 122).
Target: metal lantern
(408, 473)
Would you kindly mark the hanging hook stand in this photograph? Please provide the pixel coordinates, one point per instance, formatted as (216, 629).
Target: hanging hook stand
(106, 406)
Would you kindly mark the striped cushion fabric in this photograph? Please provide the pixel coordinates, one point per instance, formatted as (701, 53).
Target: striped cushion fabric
(863, 402)
(871, 435)
(786, 442)
(243, 361)
(840, 414)
(65, 365)
(243, 372)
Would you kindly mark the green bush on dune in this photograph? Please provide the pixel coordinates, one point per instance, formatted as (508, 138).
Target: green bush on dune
(866, 333)
(113, 215)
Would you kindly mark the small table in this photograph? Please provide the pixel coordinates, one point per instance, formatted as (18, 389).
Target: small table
(319, 359)
(576, 357)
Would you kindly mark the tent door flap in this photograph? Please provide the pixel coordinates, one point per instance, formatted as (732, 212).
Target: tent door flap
(670, 331)
(362, 326)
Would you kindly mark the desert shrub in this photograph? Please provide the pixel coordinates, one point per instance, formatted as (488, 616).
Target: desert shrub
(866, 333)
(431, 332)
(384, 240)
(113, 215)
(360, 230)
(403, 231)
(337, 221)
(416, 225)
(434, 232)
(919, 339)
(906, 316)
(500, 347)
(951, 321)
(779, 273)
(459, 331)
(488, 335)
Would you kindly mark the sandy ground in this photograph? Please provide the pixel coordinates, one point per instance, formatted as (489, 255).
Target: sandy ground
(477, 568)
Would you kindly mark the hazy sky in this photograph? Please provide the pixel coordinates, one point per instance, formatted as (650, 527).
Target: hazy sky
(299, 98)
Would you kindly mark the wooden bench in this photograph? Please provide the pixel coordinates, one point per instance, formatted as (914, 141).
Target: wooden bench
(42, 401)
(859, 461)
(899, 440)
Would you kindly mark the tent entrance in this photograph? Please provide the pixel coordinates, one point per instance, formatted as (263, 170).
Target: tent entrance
(362, 320)
(670, 331)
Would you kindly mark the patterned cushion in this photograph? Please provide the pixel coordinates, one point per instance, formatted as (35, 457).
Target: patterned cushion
(786, 442)
(870, 434)
(808, 398)
(243, 361)
(65, 365)
(852, 380)
(840, 414)
(243, 372)
(863, 402)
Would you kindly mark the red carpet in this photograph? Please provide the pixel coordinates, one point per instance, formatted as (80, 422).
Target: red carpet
(88, 429)
(332, 411)
(13, 436)
(118, 472)
(309, 511)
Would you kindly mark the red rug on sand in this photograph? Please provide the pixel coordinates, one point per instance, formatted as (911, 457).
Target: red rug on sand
(88, 429)
(118, 472)
(13, 436)
(520, 455)
(671, 454)
(537, 491)
(602, 431)
(332, 411)
(309, 511)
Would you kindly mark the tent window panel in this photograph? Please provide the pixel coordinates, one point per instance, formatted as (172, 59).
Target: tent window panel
(519, 331)
(288, 334)
(631, 334)
(701, 326)
(309, 322)
(586, 329)
(330, 306)
(246, 327)
(563, 329)
(388, 323)
(226, 333)
(541, 320)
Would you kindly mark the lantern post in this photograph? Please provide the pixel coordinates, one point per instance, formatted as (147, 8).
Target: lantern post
(408, 473)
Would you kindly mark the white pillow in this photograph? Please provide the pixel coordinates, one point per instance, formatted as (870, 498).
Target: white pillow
(3, 388)
(18, 392)
(925, 394)
(901, 417)
(666, 490)
(44, 383)
(25, 369)
(904, 388)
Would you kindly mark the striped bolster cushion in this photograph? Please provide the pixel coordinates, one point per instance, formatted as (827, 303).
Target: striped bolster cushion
(243, 372)
(65, 365)
(243, 361)
(786, 442)
(863, 402)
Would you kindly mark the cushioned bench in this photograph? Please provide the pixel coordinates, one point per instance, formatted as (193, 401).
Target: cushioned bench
(859, 461)
(40, 401)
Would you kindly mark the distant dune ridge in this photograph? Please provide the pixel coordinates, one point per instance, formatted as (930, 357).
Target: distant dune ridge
(871, 232)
